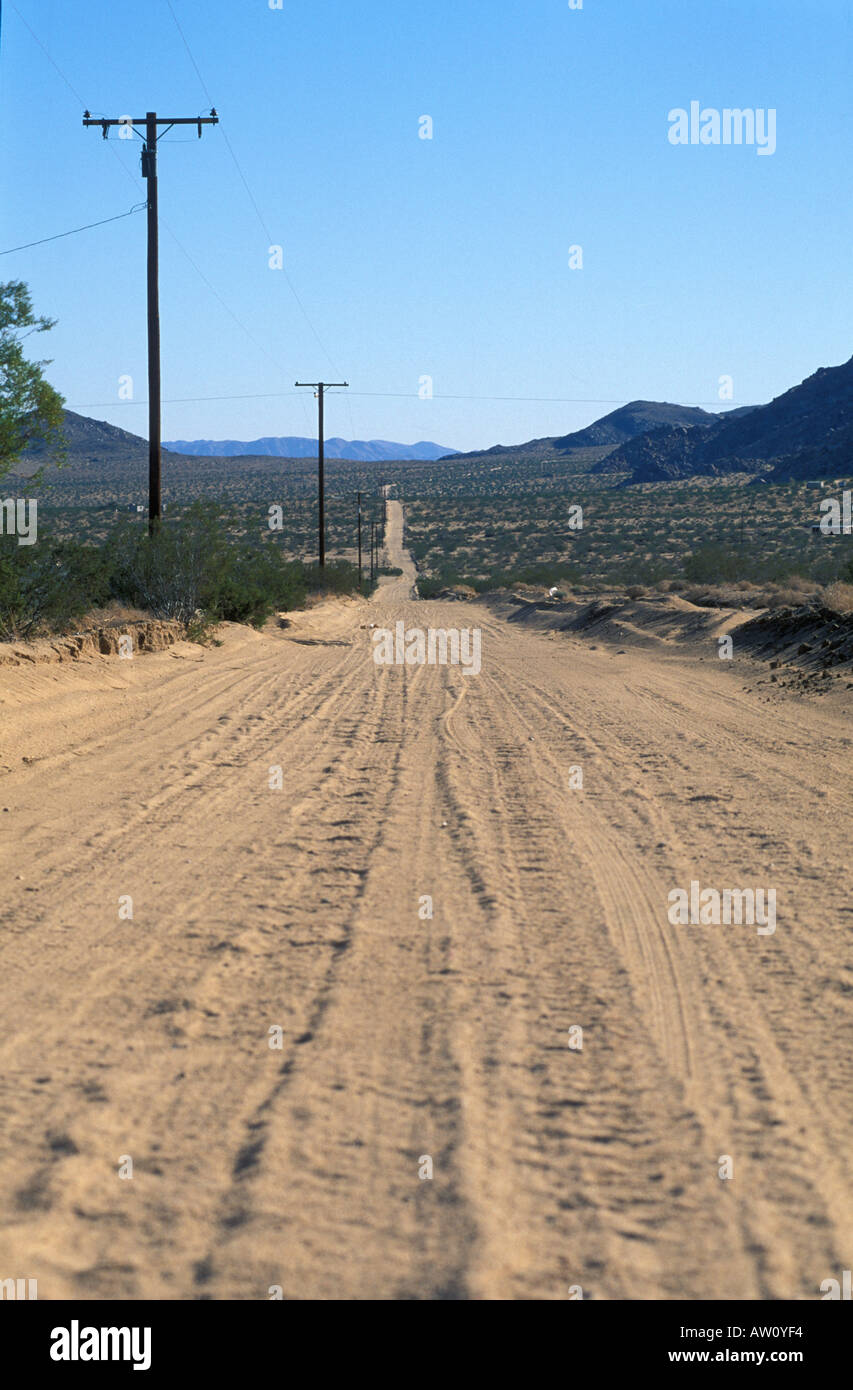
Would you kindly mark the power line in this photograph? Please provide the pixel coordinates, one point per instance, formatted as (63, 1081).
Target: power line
(554, 400)
(251, 196)
(34, 35)
(267, 233)
(239, 322)
(189, 51)
(115, 153)
(213, 290)
(389, 395)
(74, 230)
(190, 400)
(269, 395)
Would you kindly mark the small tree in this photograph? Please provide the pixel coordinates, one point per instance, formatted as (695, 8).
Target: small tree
(30, 408)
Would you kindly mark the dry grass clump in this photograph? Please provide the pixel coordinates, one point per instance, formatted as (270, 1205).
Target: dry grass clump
(110, 615)
(739, 595)
(778, 596)
(839, 597)
(794, 593)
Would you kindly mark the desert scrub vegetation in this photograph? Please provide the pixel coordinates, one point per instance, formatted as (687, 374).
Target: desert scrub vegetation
(700, 531)
(45, 587)
(448, 577)
(839, 596)
(193, 569)
(88, 502)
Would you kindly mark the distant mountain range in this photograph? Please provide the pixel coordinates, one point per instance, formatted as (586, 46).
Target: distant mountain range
(97, 450)
(806, 433)
(297, 447)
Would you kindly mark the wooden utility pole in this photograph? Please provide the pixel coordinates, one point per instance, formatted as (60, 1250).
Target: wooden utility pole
(149, 172)
(320, 388)
(151, 122)
(372, 547)
(359, 541)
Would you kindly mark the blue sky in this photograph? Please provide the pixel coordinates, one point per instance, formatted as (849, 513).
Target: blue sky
(448, 257)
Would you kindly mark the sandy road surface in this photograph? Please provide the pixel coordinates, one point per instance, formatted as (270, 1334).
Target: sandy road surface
(401, 1037)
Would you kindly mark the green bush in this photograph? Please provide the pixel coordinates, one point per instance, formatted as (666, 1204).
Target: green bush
(429, 586)
(712, 563)
(191, 566)
(545, 574)
(191, 569)
(43, 587)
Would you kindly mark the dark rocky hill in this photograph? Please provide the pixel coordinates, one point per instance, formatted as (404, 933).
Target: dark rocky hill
(807, 432)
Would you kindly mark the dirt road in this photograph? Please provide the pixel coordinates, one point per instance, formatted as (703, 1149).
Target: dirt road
(405, 1037)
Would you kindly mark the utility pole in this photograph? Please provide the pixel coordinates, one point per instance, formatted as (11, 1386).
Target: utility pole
(151, 121)
(359, 542)
(320, 388)
(372, 545)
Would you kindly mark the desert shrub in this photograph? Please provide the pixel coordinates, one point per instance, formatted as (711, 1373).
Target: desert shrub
(192, 566)
(173, 572)
(839, 597)
(745, 594)
(648, 572)
(547, 574)
(191, 569)
(248, 585)
(715, 563)
(44, 586)
(429, 586)
(783, 596)
(338, 577)
(419, 549)
(790, 592)
(711, 563)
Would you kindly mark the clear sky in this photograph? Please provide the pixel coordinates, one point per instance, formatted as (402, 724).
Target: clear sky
(445, 257)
